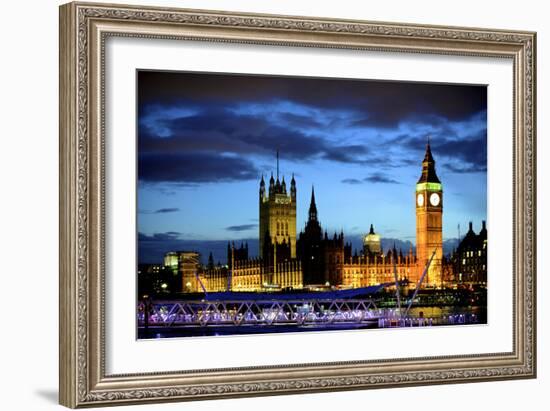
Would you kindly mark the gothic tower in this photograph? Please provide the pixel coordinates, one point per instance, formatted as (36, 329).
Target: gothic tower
(429, 220)
(278, 217)
(310, 247)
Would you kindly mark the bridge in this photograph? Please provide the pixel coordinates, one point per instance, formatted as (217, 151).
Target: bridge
(299, 309)
(270, 312)
(299, 312)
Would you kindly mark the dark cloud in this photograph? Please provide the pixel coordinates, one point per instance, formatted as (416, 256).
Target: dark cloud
(167, 236)
(380, 178)
(372, 178)
(225, 131)
(406, 99)
(166, 210)
(346, 154)
(464, 169)
(215, 145)
(199, 128)
(222, 130)
(466, 154)
(299, 121)
(187, 167)
(243, 227)
(160, 211)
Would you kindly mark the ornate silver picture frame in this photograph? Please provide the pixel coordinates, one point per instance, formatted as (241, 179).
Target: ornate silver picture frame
(84, 30)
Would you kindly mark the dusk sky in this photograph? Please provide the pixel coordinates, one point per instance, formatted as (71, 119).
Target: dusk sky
(204, 141)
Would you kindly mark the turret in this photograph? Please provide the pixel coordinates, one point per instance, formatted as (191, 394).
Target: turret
(262, 188)
(293, 189)
(271, 185)
(483, 232)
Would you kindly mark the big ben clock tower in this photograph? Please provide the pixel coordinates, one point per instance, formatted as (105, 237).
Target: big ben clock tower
(429, 221)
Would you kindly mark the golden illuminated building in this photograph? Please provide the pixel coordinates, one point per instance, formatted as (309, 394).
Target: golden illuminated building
(376, 268)
(314, 260)
(186, 263)
(172, 260)
(253, 275)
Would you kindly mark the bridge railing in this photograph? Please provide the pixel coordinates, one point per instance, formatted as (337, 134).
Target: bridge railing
(215, 313)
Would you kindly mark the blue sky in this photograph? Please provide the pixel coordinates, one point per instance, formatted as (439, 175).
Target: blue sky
(205, 140)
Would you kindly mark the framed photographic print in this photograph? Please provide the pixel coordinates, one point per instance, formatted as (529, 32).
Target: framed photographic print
(264, 262)
(256, 204)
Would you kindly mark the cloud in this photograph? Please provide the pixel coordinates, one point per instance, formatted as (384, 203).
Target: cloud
(299, 120)
(465, 155)
(307, 119)
(200, 135)
(219, 129)
(243, 227)
(466, 168)
(160, 211)
(166, 236)
(187, 168)
(372, 178)
(457, 147)
(346, 154)
(351, 181)
(371, 99)
(380, 178)
(166, 210)
(218, 145)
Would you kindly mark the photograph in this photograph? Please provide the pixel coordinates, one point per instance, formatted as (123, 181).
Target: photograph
(283, 204)
(264, 202)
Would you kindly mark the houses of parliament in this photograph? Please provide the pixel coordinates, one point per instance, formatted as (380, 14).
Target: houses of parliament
(314, 259)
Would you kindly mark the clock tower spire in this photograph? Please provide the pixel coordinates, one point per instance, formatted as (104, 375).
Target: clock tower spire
(429, 220)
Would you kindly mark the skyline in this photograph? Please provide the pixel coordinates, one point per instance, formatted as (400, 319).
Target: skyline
(205, 140)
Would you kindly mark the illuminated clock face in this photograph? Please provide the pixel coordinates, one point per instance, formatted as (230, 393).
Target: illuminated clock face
(420, 200)
(434, 199)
